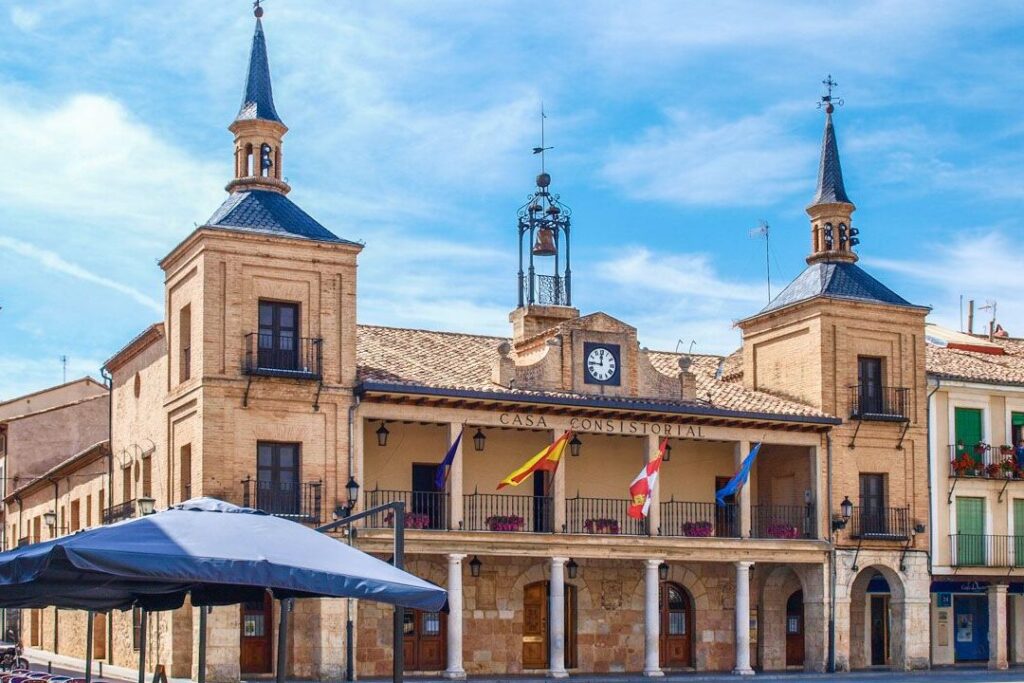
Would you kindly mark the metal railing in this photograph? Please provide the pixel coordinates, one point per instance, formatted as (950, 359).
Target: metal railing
(551, 290)
(983, 460)
(423, 509)
(782, 521)
(27, 540)
(300, 501)
(986, 550)
(280, 356)
(871, 402)
(115, 513)
(699, 520)
(498, 512)
(881, 523)
(607, 516)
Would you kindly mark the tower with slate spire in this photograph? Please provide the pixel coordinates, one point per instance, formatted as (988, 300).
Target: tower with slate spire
(258, 129)
(832, 233)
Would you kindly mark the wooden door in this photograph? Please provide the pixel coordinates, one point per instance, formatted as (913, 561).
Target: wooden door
(967, 423)
(256, 651)
(869, 382)
(279, 334)
(535, 626)
(970, 531)
(424, 641)
(426, 499)
(278, 477)
(1018, 533)
(99, 636)
(872, 504)
(879, 630)
(795, 629)
(676, 633)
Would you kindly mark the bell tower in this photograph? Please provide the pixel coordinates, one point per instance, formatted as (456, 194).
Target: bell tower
(832, 233)
(258, 129)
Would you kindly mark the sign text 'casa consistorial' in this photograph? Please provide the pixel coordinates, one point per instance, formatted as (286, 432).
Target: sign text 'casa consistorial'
(607, 426)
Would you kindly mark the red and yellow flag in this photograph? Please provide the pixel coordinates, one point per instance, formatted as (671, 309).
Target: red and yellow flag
(545, 461)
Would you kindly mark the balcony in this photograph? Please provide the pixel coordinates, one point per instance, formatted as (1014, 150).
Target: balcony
(892, 524)
(269, 355)
(298, 501)
(605, 516)
(116, 513)
(699, 520)
(883, 404)
(782, 521)
(986, 550)
(28, 540)
(497, 512)
(423, 509)
(983, 461)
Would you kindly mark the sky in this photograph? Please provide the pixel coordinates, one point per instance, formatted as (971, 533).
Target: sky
(677, 128)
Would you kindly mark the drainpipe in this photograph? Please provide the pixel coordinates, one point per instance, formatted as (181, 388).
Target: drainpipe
(350, 606)
(931, 436)
(831, 564)
(108, 379)
(56, 528)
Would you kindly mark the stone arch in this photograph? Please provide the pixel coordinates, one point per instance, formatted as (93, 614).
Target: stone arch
(856, 598)
(695, 586)
(780, 583)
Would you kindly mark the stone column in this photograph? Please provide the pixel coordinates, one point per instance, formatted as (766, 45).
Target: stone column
(455, 476)
(997, 626)
(740, 451)
(742, 667)
(822, 517)
(654, 516)
(357, 464)
(556, 619)
(652, 619)
(558, 490)
(455, 670)
(1016, 613)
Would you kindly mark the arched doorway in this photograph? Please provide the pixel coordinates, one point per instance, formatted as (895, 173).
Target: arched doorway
(536, 651)
(676, 633)
(795, 629)
(878, 619)
(424, 642)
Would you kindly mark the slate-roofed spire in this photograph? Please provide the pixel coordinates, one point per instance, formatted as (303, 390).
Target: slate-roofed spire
(258, 99)
(832, 235)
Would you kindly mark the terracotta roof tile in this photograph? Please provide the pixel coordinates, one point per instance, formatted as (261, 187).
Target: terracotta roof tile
(972, 366)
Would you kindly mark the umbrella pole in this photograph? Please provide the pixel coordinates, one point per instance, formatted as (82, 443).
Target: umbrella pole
(88, 646)
(201, 674)
(398, 649)
(282, 640)
(143, 627)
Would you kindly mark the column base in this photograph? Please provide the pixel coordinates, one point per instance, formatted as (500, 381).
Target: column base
(998, 666)
(743, 672)
(558, 674)
(454, 675)
(653, 673)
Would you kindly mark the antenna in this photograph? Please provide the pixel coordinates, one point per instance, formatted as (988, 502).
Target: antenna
(540, 150)
(762, 230)
(64, 368)
(693, 342)
(990, 305)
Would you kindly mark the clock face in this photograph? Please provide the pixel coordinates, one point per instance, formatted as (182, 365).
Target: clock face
(601, 363)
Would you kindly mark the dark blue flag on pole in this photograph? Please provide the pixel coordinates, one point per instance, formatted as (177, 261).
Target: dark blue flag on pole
(738, 479)
(441, 477)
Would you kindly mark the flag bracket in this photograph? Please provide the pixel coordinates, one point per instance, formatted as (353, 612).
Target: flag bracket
(853, 440)
(856, 554)
(949, 499)
(899, 442)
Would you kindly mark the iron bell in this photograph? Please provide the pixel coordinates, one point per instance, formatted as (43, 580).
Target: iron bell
(545, 243)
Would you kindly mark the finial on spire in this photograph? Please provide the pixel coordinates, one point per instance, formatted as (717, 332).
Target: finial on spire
(826, 100)
(257, 10)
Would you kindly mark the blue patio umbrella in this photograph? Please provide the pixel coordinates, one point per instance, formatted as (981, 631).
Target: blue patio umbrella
(215, 552)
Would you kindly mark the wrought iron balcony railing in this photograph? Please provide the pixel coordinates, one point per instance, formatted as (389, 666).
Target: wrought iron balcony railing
(699, 520)
(782, 521)
(423, 509)
(871, 402)
(498, 512)
(983, 460)
(601, 516)
(551, 290)
(882, 524)
(281, 356)
(986, 550)
(115, 513)
(299, 501)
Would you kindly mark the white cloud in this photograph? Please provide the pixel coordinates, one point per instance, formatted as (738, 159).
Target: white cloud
(692, 160)
(52, 261)
(25, 19)
(676, 274)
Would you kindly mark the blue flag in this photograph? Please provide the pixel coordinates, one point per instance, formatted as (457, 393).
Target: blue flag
(441, 477)
(738, 479)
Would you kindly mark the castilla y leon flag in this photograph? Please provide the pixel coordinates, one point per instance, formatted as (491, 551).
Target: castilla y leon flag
(642, 488)
(545, 461)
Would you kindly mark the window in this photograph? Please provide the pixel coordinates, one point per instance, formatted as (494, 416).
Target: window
(126, 484)
(137, 385)
(279, 335)
(136, 628)
(872, 517)
(88, 511)
(185, 464)
(869, 383)
(3, 442)
(76, 516)
(277, 478)
(147, 477)
(99, 506)
(185, 343)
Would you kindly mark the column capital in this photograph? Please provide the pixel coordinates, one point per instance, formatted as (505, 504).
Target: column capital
(654, 563)
(743, 564)
(559, 560)
(997, 587)
(455, 558)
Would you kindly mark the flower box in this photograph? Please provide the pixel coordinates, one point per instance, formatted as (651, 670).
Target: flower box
(1006, 449)
(504, 523)
(698, 529)
(782, 530)
(601, 526)
(413, 520)
(993, 470)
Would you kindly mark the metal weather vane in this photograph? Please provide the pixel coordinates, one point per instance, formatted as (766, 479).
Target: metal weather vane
(827, 101)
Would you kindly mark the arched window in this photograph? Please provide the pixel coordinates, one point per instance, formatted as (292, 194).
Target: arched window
(248, 160)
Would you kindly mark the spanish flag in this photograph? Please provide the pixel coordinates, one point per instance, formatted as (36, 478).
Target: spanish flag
(545, 461)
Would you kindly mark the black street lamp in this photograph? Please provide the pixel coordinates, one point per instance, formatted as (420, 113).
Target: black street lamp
(352, 490)
(663, 571)
(668, 453)
(846, 510)
(146, 505)
(572, 568)
(574, 446)
(382, 435)
(478, 440)
(474, 566)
